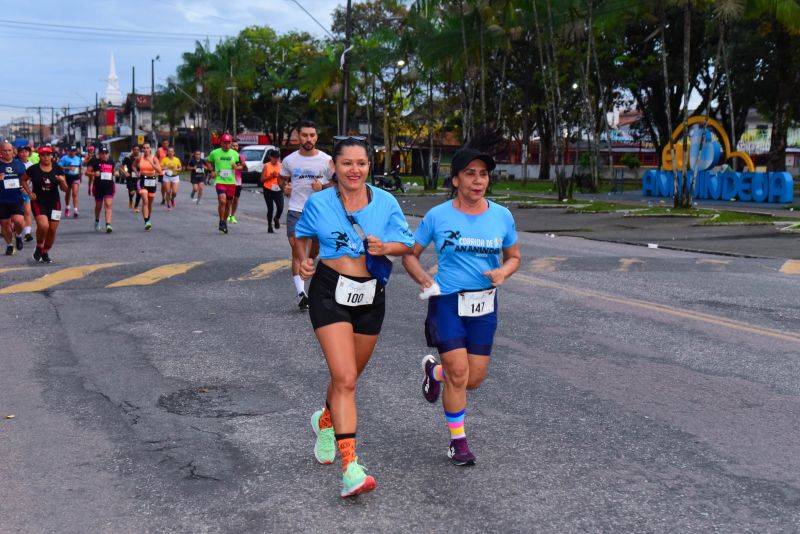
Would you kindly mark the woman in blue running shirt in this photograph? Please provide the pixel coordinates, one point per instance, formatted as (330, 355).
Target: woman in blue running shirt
(477, 250)
(346, 302)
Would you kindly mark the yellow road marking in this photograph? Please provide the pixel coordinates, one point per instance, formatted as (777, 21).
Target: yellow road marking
(263, 271)
(546, 264)
(59, 277)
(625, 264)
(8, 269)
(156, 275)
(719, 265)
(668, 310)
(791, 267)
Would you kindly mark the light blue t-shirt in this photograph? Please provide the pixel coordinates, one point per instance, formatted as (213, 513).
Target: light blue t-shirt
(466, 245)
(324, 219)
(70, 164)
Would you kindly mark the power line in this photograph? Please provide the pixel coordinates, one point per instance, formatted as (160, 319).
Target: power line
(107, 32)
(312, 18)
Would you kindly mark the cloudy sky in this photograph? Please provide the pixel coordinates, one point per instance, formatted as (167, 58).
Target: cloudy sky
(63, 59)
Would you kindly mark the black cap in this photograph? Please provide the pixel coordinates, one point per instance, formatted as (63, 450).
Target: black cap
(104, 149)
(462, 158)
(72, 147)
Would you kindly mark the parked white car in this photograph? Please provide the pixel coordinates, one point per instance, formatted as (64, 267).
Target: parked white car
(254, 157)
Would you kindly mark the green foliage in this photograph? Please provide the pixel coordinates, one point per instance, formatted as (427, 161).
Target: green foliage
(630, 161)
(524, 69)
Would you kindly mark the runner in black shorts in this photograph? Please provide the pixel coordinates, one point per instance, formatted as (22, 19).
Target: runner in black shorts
(132, 178)
(197, 170)
(470, 234)
(148, 169)
(46, 178)
(101, 172)
(346, 300)
(71, 163)
(12, 203)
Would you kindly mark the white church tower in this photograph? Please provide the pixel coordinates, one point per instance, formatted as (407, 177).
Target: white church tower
(113, 92)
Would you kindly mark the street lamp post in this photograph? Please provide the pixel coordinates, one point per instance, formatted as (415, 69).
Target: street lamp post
(153, 97)
(233, 97)
(346, 69)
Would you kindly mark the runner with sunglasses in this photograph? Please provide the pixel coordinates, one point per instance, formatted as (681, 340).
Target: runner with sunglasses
(346, 300)
(470, 234)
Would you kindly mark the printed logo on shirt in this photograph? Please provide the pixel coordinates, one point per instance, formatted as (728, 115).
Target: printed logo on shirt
(343, 241)
(450, 239)
(306, 174)
(472, 245)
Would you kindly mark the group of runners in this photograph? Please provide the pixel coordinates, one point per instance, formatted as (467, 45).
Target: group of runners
(29, 187)
(336, 217)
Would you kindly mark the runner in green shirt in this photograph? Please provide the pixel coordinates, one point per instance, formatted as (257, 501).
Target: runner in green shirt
(222, 164)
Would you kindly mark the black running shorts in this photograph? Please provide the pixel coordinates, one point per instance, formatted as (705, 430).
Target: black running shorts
(324, 310)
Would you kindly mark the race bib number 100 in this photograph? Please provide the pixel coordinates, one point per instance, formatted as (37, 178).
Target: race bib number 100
(352, 293)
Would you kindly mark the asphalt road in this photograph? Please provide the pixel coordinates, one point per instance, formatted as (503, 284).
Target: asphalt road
(631, 390)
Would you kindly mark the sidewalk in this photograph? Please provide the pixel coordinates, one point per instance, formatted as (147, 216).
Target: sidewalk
(679, 233)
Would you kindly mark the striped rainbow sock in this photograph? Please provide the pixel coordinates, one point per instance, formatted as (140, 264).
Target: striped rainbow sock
(437, 373)
(455, 422)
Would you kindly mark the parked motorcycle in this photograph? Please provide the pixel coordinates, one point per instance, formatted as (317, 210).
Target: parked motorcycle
(389, 181)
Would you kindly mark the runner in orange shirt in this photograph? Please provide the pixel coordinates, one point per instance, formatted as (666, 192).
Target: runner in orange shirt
(272, 189)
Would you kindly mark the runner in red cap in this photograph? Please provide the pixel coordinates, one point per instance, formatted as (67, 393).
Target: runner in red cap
(46, 179)
(222, 163)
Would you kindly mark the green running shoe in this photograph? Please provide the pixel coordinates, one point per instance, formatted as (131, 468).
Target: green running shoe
(355, 481)
(325, 446)
(232, 219)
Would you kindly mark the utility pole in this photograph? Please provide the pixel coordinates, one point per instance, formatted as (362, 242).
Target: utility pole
(133, 109)
(153, 96)
(41, 128)
(233, 92)
(346, 69)
(96, 120)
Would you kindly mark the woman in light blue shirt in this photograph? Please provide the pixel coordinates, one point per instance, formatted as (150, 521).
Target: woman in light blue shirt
(346, 299)
(477, 250)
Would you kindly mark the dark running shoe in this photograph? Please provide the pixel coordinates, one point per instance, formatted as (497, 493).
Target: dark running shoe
(20, 244)
(37, 255)
(28, 237)
(223, 227)
(459, 452)
(46, 258)
(303, 304)
(10, 250)
(430, 387)
(277, 223)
